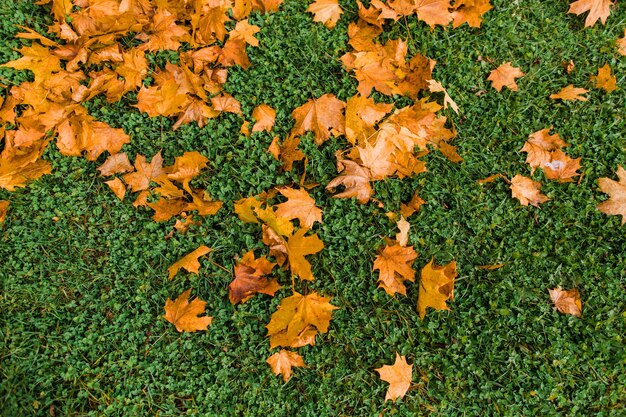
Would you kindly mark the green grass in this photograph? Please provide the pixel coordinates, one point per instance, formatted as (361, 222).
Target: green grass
(84, 276)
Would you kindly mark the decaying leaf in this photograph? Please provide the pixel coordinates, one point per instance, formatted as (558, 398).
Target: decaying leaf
(185, 315)
(395, 265)
(527, 191)
(250, 279)
(145, 172)
(115, 164)
(616, 204)
(354, 178)
(566, 301)
(189, 262)
(398, 376)
(412, 206)
(282, 362)
(436, 287)
(298, 320)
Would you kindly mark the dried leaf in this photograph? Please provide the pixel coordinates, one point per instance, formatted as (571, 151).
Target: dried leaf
(117, 186)
(327, 12)
(398, 376)
(323, 116)
(504, 76)
(527, 191)
(189, 262)
(570, 93)
(616, 204)
(605, 80)
(436, 287)
(299, 206)
(598, 10)
(394, 263)
(566, 301)
(184, 314)
(115, 164)
(282, 362)
(265, 117)
(250, 279)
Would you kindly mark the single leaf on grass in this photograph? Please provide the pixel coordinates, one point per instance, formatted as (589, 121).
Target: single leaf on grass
(185, 315)
(323, 116)
(354, 178)
(145, 172)
(616, 204)
(402, 237)
(566, 301)
(299, 205)
(598, 10)
(527, 191)
(299, 246)
(250, 279)
(327, 12)
(605, 80)
(433, 12)
(189, 262)
(561, 167)
(470, 12)
(282, 362)
(436, 287)
(117, 186)
(395, 265)
(570, 93)
(264, 117)
(398, 376)
(298, 319)
(226, 103)
(4, 207)
(504, 76)
(413, 206)
(115, 164)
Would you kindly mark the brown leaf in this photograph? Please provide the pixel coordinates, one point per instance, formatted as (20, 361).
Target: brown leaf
(189, 262)
(115, 164)
(570, 93)
(265, 117)
(605, 80)
(184, 314)
(327, 12)
(362, 113)
(289, 153)
(398, 376)
(616, 204)
(145, 172)
(433, 12)
(436, 287)
(282, 362)
(504, 76)
(394, 263)
(165, 208)
(117, 186)
(527, 191)
(355, 179)
(598, 10)
(298, 319)
(250, 279)
(299, 205)
(566, 301)
(323, 116)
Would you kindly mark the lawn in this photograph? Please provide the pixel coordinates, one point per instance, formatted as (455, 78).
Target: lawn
(84, 275)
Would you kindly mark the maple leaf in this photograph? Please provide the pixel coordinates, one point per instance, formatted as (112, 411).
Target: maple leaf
(186, 167)
(298, 319)
(470, 12)
(598, 10)
(202, 203)
(616, 204)
(436, 287)
(394, 263)
(226, 103)
(133, 68)
(282, 362)
(355, 179)
(605, 80)
(527, 191)
(165, 208)
(165, 33)
(407, 210)
(566, 301)
(189, 262)
(161, 100)
(504, 76)
(570, 93)
(249, 279)
(544, 152)
(433, 12)
(561, 167)
(4, 207)
(326, 12)
(265, 117)
(436, 87)
(37, 59)
(17, 170)
(362, 113)
(145, 172)
(266, 5)
(184, 314)
(115, 164)
(279, 224)
(117, 186)
(298, 246)
(276, 243)
(402, 237)
(398, 376)
(323, 116)
(299, 206)
(245, 31)
(245, 209)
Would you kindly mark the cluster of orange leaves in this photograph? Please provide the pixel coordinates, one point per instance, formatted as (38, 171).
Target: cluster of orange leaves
(385, 141)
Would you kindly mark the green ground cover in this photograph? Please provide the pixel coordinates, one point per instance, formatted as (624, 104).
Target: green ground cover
(84, 276)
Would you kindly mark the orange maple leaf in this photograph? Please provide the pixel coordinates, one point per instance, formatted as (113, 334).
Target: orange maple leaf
(282, 362)
(470, 12)
(184, 314)
(327, 12)
(605, 80)
(145, 172)
(250, 279)
(398, 376)
(323, 116)
(264, 117)
(616, 204)
(189, 262)
(570, 93)
(566, 301)
(299, 206)
(394, 263)
(436, 287)
(504, 76)
(355, 179)
(527, 191)
(598, 10)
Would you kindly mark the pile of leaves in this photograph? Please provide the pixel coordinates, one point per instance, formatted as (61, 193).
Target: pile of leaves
(101, 47)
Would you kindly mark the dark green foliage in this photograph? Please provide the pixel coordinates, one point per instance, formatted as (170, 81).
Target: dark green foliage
(84, 276)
